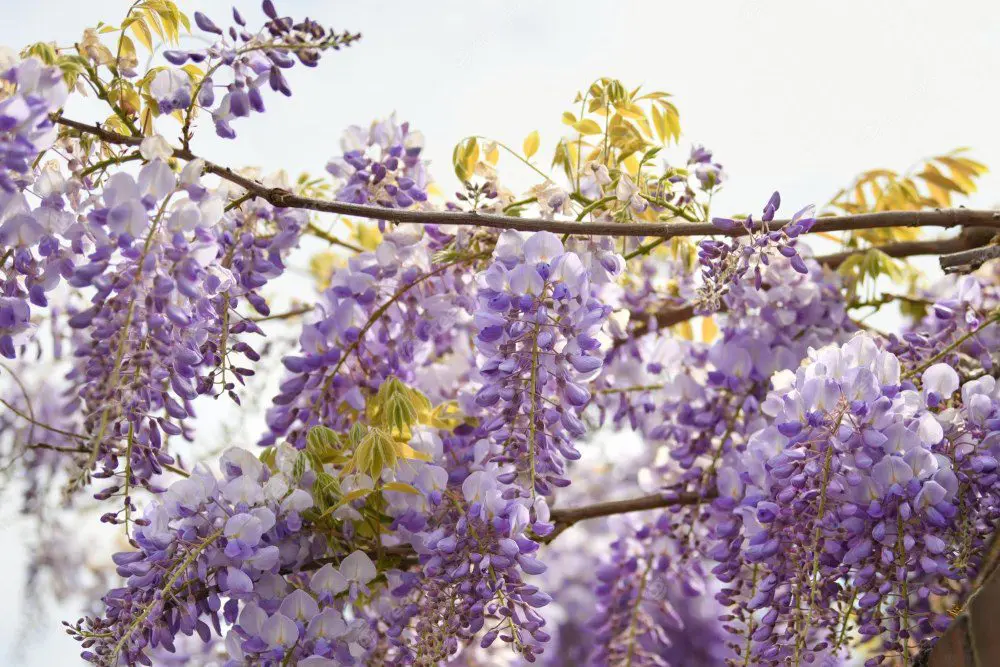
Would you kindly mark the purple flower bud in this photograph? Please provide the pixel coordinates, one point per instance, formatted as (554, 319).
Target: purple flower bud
(206, 23)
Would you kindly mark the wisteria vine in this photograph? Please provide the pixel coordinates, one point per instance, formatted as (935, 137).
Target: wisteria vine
(623, 432)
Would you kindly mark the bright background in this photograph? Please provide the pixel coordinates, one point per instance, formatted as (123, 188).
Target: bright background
(792, 95)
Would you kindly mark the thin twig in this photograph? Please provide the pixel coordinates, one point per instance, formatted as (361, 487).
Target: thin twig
(284, 316)
(331, 239)
(653, 501)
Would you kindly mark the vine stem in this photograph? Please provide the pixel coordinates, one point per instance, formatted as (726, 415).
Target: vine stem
(534, 403)
(175, 575)
(634, 616)
(329, 238)
(905, 595)
(750, 625)
(954, 346)
(817, 532)
(128, 476)
(594, 205)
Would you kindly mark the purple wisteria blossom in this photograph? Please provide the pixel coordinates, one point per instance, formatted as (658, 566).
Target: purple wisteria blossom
(727, 262)
(34, 258)
(537, 332)
(245, 64)
(212, 553)
(852, 500)
(382, 166)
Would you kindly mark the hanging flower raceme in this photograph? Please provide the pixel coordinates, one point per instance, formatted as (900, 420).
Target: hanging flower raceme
(168, 271)
(42, 468)
(690, 394)
(475, 540)
(727, 262)
(382, 166)
(855, 499)
(34, 259)
(962, 320)
(389, 313)
(215, 550)
(245, 62)
(650, 608)
(537, 333)
(253, 243)
(25, 127)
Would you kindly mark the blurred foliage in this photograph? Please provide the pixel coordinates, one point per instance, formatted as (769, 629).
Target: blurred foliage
(934, 182)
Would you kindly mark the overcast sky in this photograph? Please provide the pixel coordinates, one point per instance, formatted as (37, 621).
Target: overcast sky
(791, 95)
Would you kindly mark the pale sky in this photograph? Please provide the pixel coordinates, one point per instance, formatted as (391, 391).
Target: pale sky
(791, 95)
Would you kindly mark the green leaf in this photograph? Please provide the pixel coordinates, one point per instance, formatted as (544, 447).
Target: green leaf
(322, 438)
(357, 434)
(326, 490)
(355, 495)
(268, 457)
(393, 407)
(376, 452)
(300, 465)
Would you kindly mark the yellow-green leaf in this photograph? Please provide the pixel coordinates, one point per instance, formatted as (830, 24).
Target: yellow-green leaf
(493, 154)
(356, 494)
(531, 143)
(660, 125)
(401, 487)
(587, 126)
(375, 453)
(709, 329)
(464, 158)
(403, 450)
(141, 32)
(932, 175)
(685, 330)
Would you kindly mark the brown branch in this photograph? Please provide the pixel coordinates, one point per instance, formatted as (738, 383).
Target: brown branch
(567, 517)
(968, 260)
(900, 250)
(945, 218)
(563, 519)
(970, 237)
(663, 318)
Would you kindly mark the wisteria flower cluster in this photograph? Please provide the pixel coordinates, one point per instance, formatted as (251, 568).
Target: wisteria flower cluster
(536, 329)
(389, 313)
(168, 271)
(216, 550)
(251, 60)
(856, 498)
(382, 166)
(476, 541)
(727, 262)
(34, 260)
